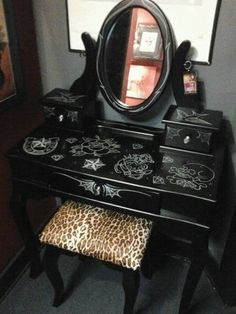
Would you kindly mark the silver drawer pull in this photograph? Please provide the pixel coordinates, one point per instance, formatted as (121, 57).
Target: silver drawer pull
(187, 139)
(98, 190)
(60, 118)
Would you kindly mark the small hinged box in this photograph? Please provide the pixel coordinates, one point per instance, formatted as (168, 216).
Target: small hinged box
(66, 110)
(187, 128)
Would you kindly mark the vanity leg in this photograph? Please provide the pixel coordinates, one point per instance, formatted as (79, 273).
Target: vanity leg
(193, 276)
(50, 262)
(31, 242)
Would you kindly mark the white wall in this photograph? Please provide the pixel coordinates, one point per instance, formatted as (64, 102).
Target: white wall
(59, 67)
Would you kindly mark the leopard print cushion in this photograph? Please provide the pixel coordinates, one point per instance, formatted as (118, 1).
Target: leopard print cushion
(103, 234)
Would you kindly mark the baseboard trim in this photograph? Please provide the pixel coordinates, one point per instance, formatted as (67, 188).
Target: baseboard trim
(13, 272)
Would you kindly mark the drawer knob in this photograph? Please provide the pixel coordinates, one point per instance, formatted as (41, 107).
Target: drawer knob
(98, 190)
(187, 139)
(60, 118)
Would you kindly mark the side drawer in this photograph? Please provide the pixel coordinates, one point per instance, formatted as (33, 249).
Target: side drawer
(134, 198)
(189, 138)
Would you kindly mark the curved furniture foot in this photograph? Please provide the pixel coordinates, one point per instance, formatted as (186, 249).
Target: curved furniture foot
(50, 262)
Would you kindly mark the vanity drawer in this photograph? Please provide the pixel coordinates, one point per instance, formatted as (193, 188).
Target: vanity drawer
(109, 193)
(189, 138)
(63, 117)
(190, 129)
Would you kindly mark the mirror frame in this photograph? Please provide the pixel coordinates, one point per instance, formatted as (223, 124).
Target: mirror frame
(168, 48)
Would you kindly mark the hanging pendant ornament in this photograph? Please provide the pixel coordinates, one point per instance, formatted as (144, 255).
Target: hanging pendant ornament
(189, 79)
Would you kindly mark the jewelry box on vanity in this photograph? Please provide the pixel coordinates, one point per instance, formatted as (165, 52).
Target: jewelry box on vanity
(66, 109)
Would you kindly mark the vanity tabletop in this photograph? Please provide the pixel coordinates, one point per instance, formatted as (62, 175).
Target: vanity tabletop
(118, 155)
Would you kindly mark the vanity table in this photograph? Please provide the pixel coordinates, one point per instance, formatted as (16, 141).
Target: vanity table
(120, 166)
(124, 168)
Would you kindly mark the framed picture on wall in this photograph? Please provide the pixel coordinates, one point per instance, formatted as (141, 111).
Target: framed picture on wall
(148, 42)
(10, 73)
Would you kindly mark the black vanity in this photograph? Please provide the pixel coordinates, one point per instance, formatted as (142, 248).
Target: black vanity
(125, 167)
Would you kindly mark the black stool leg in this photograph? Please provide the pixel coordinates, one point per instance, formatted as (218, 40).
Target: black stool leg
(50, 262)
(131, 281)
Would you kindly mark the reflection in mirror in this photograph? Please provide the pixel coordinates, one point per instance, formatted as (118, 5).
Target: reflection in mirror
(134, 55)
(138, 55)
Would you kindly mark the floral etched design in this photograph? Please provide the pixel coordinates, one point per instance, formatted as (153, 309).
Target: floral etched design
(95, 146)
(134, 166)
(194, 176)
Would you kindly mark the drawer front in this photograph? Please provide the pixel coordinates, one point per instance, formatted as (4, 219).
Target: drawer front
(189, 138)
(113, 193)
(63, 117)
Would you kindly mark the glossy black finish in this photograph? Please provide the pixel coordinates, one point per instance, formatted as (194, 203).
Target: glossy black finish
(86, 84)
(103, 40)
(194, 130)
(65, 109)
(130, 169)
(124, 168)
(130, 280)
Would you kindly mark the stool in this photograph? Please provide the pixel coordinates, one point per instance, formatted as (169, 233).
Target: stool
(109, 236)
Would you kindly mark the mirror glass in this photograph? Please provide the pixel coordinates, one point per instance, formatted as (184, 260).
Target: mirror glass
(134, 55)
(135, 42)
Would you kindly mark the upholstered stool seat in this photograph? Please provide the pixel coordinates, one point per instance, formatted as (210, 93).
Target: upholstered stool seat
(100, 233)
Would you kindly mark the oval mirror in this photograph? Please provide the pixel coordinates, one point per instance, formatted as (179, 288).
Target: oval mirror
(134, 55)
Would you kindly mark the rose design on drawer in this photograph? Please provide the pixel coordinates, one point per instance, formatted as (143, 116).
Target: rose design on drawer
(134, 166)
(95, 146)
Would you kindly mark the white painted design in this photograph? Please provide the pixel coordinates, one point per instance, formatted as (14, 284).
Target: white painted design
(107, 190)
(73, 115)
(134, 166)
(88, 185)
(137, 146)
(95, 146)
(71, 140)
(158, 180)
(40, 146)
(193, 117)
(167, 160)
(192, 175)
(204, 137)
(57, 157)
(112, 191)
(66, 97)
(49, 111)
(93, 164)
(173, 132)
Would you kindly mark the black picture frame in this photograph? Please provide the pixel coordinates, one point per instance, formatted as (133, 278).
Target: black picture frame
(12, 85)
(149, 42)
